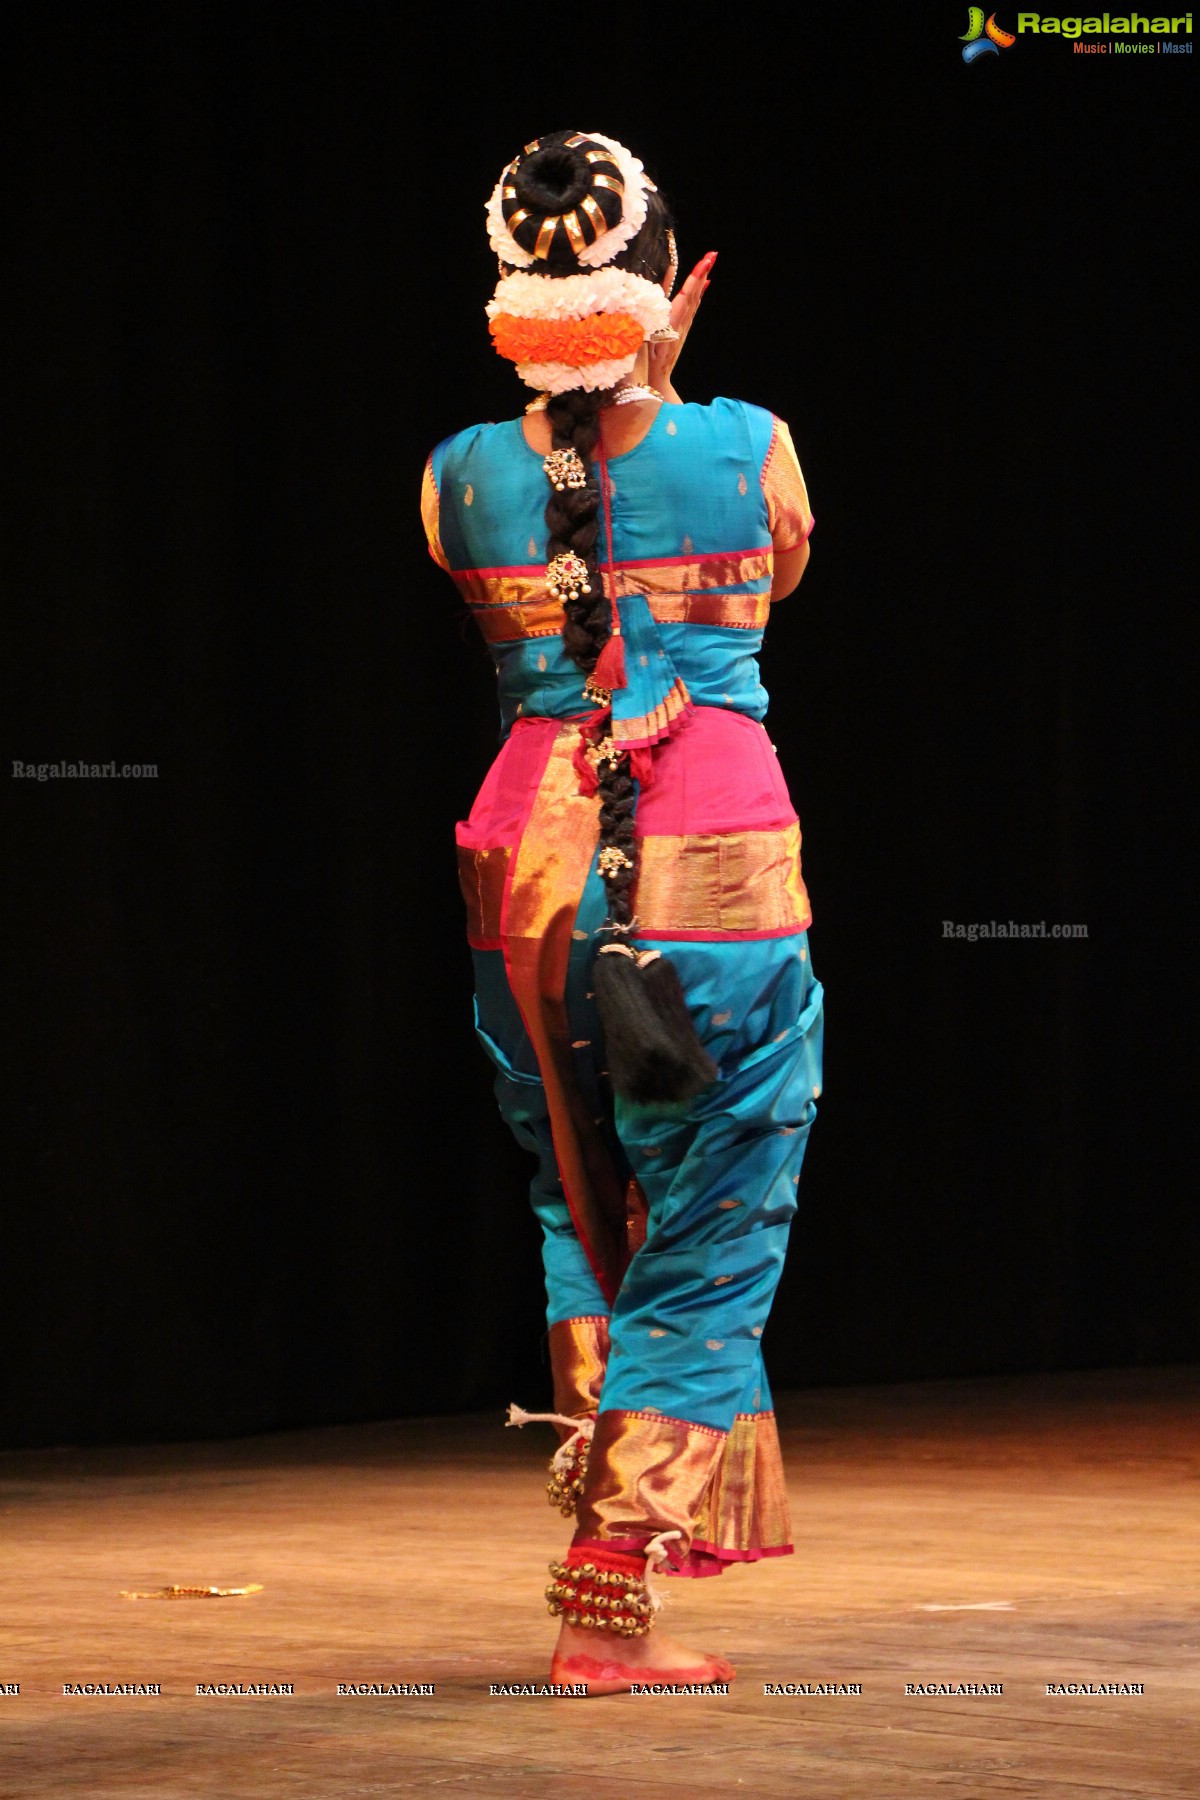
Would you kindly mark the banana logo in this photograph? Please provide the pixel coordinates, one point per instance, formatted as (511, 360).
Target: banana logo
(983, 37)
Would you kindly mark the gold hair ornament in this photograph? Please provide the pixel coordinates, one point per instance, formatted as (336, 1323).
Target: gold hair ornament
(564, 469)
(612, 860)
(567, 576)
(603, 752)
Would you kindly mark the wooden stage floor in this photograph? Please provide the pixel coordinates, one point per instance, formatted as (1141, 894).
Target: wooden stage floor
(1026, 1532)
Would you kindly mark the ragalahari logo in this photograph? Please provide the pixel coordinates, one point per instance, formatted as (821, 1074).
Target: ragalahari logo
(982, 39)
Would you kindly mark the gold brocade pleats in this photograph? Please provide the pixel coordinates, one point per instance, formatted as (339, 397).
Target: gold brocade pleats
(578, 1358)
(653, 726)
(645, 1471)
(546, 878)
(481, 876)
(725, 1493)
(745, 1505)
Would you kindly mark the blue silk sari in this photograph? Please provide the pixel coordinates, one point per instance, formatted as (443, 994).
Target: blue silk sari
(664, 1228)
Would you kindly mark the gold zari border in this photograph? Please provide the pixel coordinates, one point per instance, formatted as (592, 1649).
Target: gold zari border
(788, 511)
(724, 1492)
(546, 880)
(509, 623)
(555, 854)
(431, 516)
(646, 1473)
(722, 881)
(749, 612)
(578, 1359)
(515, 604)
(654, 725)
(745, 1507)
(696, 575)
(481, 875)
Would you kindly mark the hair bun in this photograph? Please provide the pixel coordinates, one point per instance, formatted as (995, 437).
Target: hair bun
(552, 178)
(557, 199)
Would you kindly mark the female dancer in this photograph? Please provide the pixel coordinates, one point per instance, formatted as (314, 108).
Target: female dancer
(631, 871)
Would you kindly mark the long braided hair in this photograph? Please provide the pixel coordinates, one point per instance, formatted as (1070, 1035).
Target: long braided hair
(653, 1052)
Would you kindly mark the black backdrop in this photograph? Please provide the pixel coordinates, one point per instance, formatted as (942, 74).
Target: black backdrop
(258, 1178)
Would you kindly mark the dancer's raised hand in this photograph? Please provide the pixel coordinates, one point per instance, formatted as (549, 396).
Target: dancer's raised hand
(663, 357)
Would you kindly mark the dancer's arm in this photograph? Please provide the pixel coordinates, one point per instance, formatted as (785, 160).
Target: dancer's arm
(663, 357)
(789, 567)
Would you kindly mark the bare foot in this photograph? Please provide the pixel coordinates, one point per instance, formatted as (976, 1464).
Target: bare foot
(610, 1665)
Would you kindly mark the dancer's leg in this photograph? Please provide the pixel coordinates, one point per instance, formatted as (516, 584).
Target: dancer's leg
(685, 1368)
(571, 1287)
(720, 1179)
(576, 1310)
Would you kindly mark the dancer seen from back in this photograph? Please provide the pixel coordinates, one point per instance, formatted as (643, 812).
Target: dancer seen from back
(631, 870)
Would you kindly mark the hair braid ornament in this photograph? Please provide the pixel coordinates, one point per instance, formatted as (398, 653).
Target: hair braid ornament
(561, 216)
(653, 1051)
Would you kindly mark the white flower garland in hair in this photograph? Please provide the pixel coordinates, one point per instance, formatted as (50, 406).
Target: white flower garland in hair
(499, 236)
(579, 296)
(610, 243)
(573, 298)
(561, 378)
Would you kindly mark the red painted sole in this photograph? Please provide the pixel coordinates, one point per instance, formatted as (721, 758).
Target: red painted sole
(608, 1676)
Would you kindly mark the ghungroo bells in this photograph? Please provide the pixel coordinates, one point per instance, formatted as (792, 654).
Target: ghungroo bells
(600, 1599)
(567, 1471)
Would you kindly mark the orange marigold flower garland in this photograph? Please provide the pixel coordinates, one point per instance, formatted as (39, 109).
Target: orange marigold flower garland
(572, 331)
(573, 341)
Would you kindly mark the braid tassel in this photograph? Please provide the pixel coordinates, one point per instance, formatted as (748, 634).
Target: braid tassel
(609, 671)
(654, 1055)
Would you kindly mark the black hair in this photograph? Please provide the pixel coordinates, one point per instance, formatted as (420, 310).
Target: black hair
(652, 1049)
